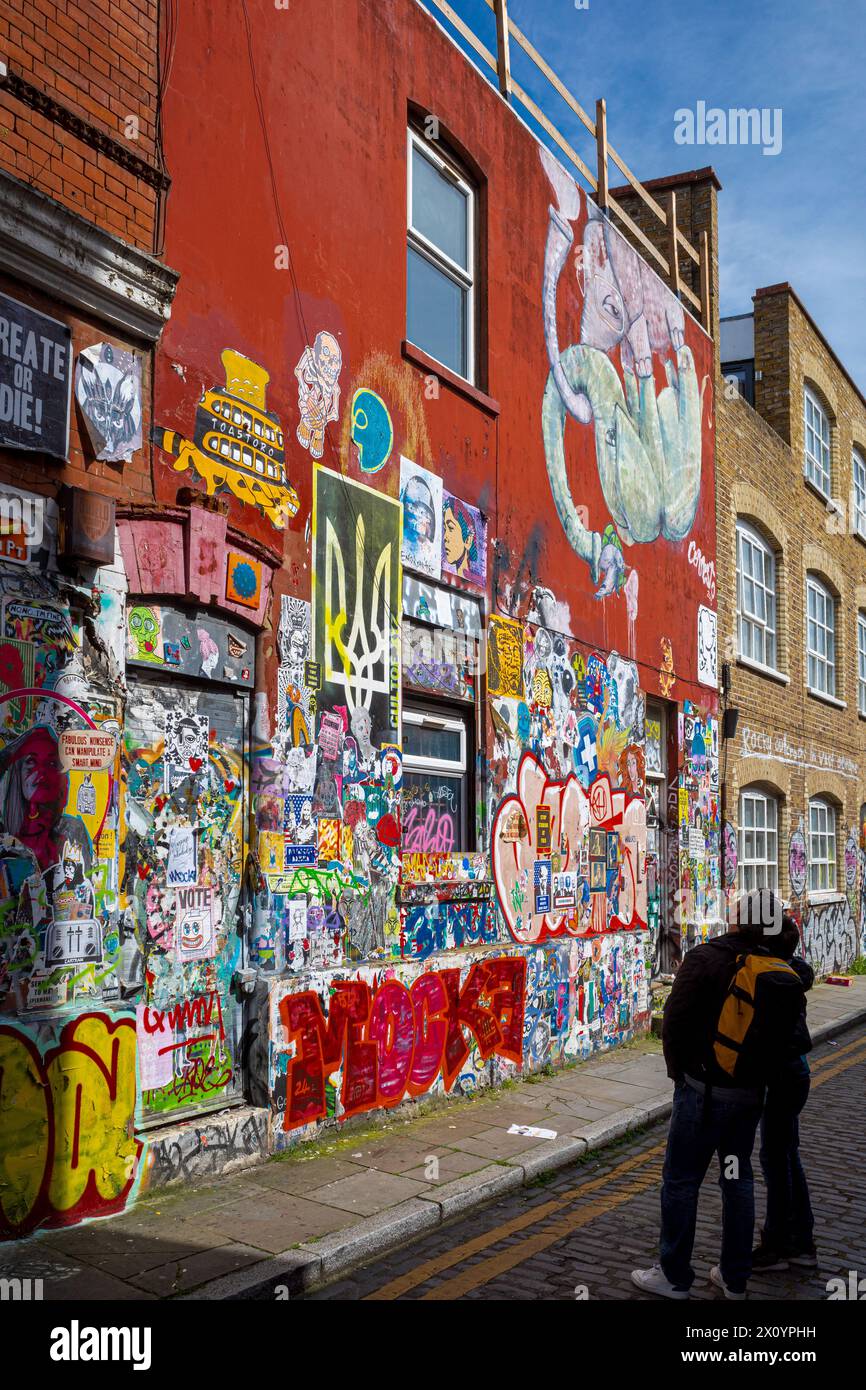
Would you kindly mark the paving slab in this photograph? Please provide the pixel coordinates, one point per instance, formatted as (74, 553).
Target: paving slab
(498, 1144)
(471, 1191)
(453, 1163)
(298, 1178)
(367, 1192)
(141, 1256)
(179, 1276)
(447, 1131)
(379, 1233)
(277, 1225)
(95, 1286)
(396, 1155)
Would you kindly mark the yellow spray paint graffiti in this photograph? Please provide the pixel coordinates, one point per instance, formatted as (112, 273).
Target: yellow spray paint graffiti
(68, 1150)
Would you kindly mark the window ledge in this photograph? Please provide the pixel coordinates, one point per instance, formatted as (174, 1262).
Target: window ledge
(769, 671)
(825, 896)
(825, 497)
(826, 699)
(429, 364)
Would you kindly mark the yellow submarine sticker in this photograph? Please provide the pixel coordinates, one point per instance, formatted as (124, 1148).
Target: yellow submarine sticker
(238, 443)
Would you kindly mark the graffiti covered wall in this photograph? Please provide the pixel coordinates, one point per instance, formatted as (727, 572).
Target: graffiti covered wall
(495, 566)
(68, 1078)
(233, 864)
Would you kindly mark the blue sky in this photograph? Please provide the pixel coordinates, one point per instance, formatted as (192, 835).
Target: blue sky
(799, 215)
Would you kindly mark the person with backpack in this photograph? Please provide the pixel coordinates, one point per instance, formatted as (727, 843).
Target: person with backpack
(728, 1025)
(787, 1235)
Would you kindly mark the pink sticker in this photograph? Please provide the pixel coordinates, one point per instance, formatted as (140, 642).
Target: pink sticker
(330, 730)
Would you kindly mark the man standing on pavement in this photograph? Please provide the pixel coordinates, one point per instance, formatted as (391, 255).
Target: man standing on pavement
(722, 1038)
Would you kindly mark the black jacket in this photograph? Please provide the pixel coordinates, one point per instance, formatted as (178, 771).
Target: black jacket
(801, 1043)
(692, 1013)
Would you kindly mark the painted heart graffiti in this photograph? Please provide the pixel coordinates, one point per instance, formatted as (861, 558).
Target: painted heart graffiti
(618, 902)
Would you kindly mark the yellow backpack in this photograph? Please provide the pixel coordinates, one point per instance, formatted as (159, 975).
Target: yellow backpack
(759, 1012)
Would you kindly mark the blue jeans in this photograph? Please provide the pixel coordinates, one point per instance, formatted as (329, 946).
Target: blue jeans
(729, 1131)
(789, 1223)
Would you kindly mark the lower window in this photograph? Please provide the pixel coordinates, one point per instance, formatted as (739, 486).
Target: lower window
(822, 846)
(759, 823)
(436, 771)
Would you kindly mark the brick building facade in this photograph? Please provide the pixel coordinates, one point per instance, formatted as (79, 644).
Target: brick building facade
(797, 753)
(791, 480)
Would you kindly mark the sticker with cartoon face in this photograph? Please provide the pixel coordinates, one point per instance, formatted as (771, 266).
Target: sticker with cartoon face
(144, 635)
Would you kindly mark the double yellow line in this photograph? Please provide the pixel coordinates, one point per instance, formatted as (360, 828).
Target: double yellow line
(565, 1222)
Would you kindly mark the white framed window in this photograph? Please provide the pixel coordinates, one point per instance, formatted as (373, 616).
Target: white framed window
(435, 798)
(861, 663)
(440, 276)
(820, 637)
(858, 493)
(816, 463)
(759, 840)
(756, 596)
(822, 846)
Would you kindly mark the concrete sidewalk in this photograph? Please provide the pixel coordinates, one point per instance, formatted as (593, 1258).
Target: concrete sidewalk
(302, 1219)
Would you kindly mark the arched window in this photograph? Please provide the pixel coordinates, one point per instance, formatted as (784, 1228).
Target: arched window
(822, 846)
(759, 840)
(816, 463)
(756, 596)
(820, 637)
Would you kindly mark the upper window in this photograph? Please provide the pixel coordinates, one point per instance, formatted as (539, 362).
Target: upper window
(816, 464)
(756, 596)
(759, 858)
(822, 846)
(441, 259)
(861, 663)
(820, 637)
(858, 493)
(742, 376)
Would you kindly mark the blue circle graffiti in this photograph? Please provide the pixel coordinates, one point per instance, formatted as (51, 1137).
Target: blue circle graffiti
(372, 430)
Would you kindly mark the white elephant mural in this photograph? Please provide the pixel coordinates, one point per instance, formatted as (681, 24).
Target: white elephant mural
(648, 444)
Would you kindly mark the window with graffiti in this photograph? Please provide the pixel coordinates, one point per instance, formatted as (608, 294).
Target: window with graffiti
(435, 780)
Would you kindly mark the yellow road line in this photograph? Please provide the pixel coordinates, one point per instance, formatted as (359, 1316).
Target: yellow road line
(504, 1260)
(837, 1052)
(482, 1273)
(851, 1061)
(830, 1067)
(449, 1258)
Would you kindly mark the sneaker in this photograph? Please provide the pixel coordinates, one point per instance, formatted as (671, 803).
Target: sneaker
(716, 1278)
(655, 1281)
(766, 1258)
(806, 1258)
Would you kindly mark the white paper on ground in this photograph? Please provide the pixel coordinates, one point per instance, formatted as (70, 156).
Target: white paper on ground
(532, 1132)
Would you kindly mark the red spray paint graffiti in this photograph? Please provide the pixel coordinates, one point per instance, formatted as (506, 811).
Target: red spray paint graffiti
(394, 1041)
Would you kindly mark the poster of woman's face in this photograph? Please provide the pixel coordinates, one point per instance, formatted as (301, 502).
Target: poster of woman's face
(421, 495)
(464, 541)
(632, 770)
